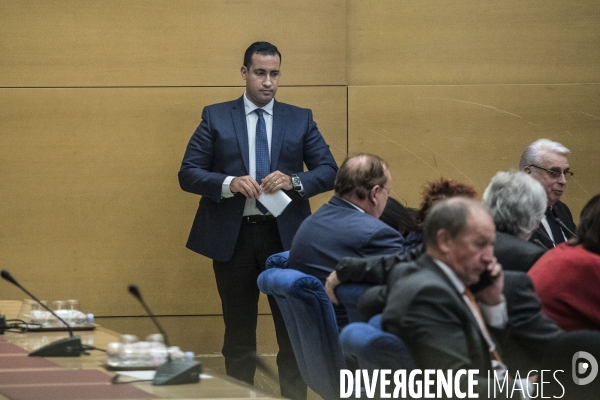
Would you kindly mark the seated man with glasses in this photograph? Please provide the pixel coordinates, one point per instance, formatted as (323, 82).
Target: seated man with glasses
(348, 226)
(546, 161)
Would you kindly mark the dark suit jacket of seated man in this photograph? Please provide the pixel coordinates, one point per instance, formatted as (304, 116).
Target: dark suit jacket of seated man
(547, 162)
(426, 307)
(347, 225)
(337, 230)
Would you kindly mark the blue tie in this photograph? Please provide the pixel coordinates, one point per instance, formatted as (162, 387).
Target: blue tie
(263, 162)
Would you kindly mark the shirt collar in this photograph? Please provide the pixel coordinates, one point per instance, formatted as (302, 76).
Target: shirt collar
(352, 204)
(250, 106)
(451, 275)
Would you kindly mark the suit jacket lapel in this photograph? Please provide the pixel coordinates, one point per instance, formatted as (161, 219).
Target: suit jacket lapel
(238, 115)
(542, 235)
(427, 261)
(279, 121)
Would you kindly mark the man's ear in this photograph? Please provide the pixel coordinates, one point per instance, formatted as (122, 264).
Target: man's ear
(527, 170)
(443, 240)
(373, 193)
(244, 72)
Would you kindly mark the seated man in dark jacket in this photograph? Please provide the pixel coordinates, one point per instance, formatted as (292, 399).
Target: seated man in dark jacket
(547, 162)
(517, 203)
(348, 225)
(430, 306)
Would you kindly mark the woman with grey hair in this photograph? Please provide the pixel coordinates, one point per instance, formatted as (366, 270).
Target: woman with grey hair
(517, 203)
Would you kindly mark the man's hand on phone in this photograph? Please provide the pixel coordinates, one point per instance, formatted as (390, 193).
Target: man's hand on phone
(492, 294)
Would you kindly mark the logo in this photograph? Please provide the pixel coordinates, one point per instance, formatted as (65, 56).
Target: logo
(584, 363)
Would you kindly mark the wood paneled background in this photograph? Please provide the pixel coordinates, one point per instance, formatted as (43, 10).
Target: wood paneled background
(99, 99)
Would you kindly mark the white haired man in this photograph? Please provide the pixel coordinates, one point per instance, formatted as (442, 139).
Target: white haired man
(547, 162)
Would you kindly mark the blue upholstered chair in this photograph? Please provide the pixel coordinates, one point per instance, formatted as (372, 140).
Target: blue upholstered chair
(311, 324)
(310, 320)
(373, 348)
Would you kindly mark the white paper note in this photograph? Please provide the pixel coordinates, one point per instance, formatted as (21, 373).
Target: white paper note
(275, 202)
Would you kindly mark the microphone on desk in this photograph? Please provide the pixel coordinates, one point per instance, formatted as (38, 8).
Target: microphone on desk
(562, 225)
(67, 347)
(174, 371)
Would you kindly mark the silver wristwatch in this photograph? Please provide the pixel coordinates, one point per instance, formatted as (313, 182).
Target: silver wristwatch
(297, 184)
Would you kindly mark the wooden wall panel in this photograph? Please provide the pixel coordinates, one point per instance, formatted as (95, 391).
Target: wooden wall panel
(166, 42)
(200, 334)
(90, 195)
(98, 100)
(418, 42)
(470, 132)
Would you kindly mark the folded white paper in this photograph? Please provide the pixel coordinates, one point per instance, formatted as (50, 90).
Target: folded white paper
(275, 202)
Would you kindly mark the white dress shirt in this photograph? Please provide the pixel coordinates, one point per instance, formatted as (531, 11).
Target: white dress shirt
(251, 119)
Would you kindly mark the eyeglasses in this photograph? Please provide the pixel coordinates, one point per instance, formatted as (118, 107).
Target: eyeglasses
(555, 173)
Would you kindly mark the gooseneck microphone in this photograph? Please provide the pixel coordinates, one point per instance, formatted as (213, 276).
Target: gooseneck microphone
(134, 290)
(174, 371)
(562, 225)
(67, 347)
(544, 234)
(539, 243)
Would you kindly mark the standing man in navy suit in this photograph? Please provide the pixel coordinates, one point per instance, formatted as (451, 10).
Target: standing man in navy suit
(235, 155)
(547, 162)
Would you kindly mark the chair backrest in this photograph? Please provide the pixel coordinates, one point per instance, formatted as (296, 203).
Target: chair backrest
(311, 324)
(373, 348)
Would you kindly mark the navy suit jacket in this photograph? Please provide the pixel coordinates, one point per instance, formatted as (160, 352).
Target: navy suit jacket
(339, 230)
(219, 148)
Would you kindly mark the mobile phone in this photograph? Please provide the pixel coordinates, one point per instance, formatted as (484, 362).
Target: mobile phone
(485, 280)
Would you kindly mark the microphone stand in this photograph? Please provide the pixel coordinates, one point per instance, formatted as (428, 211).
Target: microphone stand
(67, 347)
(562, 225)
(541, 231)
(174, 371)
(539, 243)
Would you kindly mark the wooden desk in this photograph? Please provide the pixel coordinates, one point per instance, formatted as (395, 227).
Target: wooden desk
(215, 387)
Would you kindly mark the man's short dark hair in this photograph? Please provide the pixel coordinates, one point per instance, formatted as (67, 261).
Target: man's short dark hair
(359, 173)
(450, 215)
(262, 48)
